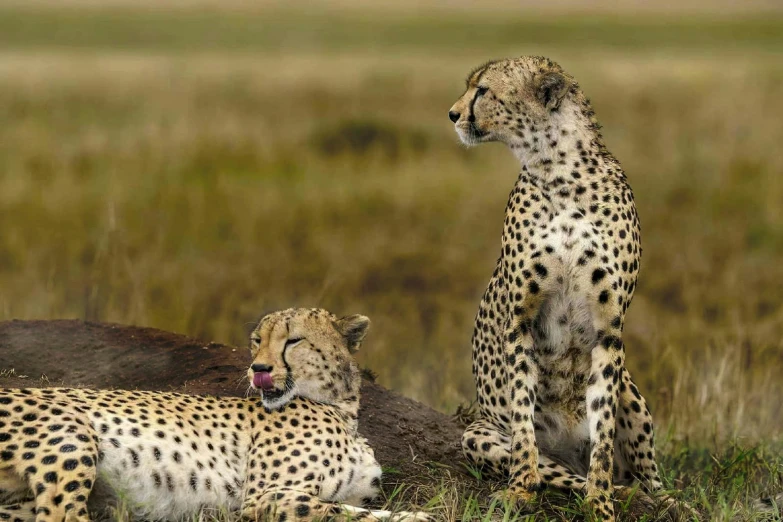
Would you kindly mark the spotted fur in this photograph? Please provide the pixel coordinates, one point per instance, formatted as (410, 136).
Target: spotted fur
(292, 453)
(557, 403)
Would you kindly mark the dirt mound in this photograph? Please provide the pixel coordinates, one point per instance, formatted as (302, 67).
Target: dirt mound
(408, 437)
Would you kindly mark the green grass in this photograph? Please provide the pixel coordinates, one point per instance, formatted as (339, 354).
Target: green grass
(189, 170)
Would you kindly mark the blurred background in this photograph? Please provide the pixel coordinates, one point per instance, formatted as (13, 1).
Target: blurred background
(188, 165)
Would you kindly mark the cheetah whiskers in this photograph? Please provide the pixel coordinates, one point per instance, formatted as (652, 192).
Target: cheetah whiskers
(239, 381)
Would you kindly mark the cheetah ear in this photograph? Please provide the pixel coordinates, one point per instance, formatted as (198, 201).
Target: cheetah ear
(353, 328)
(551, 88)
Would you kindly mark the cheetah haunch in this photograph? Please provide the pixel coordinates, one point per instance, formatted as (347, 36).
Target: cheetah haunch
(292, 453)
(548, 358)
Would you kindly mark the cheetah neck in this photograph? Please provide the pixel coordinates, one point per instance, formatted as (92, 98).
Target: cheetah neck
(342, 395)
(349, 411)
(347, 402)
(571, 135)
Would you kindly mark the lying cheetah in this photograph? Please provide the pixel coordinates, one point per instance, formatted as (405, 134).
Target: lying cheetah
(292, 453)
(548, 356)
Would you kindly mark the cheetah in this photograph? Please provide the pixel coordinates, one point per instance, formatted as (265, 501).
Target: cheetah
(291, 452)
(554, 395)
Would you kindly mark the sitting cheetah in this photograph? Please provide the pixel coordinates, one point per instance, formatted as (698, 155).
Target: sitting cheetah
(292, 453)
(548, 356)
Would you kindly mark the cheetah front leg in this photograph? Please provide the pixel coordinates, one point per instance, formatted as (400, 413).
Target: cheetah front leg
(284, 504)
(603, 391)
(522, 382)
(635, 435)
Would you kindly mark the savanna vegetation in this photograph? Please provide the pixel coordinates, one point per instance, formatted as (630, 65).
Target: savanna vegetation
(190, 168)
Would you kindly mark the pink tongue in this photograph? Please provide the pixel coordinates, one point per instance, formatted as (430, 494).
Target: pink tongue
(263, 380)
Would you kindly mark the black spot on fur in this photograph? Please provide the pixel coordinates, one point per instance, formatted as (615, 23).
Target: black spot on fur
(598, 275)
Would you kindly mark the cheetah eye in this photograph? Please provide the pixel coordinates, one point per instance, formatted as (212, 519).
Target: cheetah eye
(291, 342)
(481, 91)
(255, 341)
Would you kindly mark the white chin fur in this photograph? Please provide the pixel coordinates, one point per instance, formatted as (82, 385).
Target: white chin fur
(468, 138)
(279, 402)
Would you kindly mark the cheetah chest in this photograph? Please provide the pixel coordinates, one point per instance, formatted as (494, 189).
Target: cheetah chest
(563, 331)
(312, 448)
(558, 255)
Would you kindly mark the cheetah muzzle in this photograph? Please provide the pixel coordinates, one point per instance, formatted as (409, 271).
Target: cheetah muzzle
(295, 453)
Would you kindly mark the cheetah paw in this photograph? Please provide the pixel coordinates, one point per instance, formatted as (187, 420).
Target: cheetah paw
(679, 509)
(409, 516)
(516, 495)
(390, 516)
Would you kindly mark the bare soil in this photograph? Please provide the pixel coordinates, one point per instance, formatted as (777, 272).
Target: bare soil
(412, 441)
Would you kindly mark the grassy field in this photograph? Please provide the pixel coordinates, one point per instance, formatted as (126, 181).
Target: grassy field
(189, 169)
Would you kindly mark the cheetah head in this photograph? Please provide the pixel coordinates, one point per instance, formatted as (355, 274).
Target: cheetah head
(306, 353)
(513, 101)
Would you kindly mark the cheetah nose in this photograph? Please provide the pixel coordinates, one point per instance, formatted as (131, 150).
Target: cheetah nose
(453, 116)
(261, 368)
